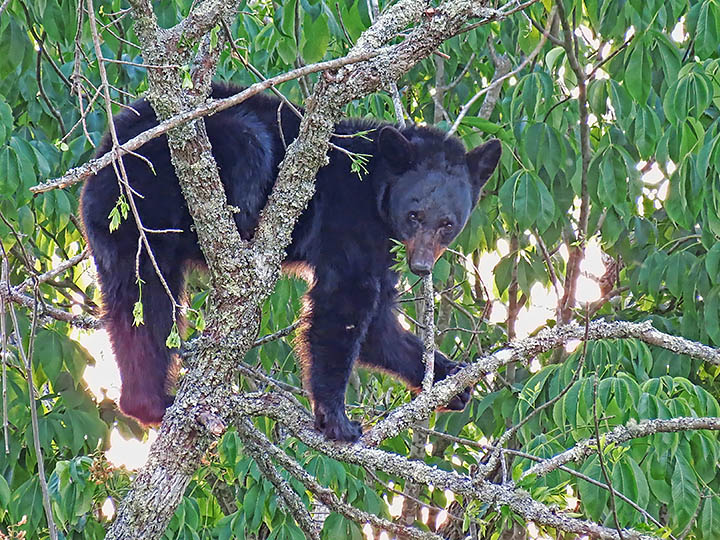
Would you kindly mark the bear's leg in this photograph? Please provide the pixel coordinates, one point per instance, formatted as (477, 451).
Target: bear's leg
(338, 312)
(389, 347)
(144, 360)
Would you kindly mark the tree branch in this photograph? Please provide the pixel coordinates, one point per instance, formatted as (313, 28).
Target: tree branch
(524, 350)
(281, 410)
(577, 249)
(212, 106)
(249, 432)
(622, 434)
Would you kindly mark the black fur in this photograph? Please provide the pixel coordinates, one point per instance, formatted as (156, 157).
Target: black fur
(420, 189)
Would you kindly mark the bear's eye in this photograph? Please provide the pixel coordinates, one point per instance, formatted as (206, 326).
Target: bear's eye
(447, 225)
(412, 217)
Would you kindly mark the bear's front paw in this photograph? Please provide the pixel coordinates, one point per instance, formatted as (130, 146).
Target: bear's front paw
(336, 426)
(460, 401)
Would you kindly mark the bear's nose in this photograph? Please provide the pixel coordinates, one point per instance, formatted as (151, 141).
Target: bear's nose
(421, 268)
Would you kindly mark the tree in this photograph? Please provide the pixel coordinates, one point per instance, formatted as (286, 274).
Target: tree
(608, 114)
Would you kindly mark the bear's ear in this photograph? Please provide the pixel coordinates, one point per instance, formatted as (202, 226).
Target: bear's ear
(482, 162)
(395, 149)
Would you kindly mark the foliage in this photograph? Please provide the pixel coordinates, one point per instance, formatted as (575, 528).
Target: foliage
(651, 198)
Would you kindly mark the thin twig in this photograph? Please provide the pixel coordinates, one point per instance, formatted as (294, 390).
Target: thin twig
(342, 24)
(119, 165)
(274, 406)
(80, 321)
(4, 353)
(41, 87)
(4, 6)
(404, 494)
(27, 362)
(397, 104)
(466, 108)
(601, 458)
(577, 248)
(502, 67)
(140, 65)
(78, 174)
(545, 340)
(258, 374)
(259, 453)
(622, 434)
(549, 403)
(41, 46)
(83, 116)
(276, 335)
(54, 272)
(548, 262)
(530, 457)
(610, 56)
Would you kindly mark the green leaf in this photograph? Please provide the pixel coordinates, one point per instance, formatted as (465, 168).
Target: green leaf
(546, 210)
(712, 263)
(63, 208)
(316, 35)
(712, 314)
(622, 103)
(689, 95)
(525, 202)
(502, 273)
(707, 30)
(638, 75)
(528, 37)
(660, 472)
(9, 173)
(6, 121)
(594, 498)
(287, 50)
(4, 493)
(48, 353)
(629, 479)
(646, 131)
(287, 28)
(685, 494)
(709, 519)
(670, 54)
(570, 401)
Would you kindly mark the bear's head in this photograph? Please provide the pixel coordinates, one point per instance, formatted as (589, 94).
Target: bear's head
(430, 186)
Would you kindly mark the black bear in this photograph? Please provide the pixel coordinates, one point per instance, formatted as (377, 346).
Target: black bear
(419, 188)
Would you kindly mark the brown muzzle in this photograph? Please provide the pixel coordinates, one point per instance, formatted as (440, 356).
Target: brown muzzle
(423, 250)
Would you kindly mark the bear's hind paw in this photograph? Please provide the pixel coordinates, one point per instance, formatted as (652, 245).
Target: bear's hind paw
(460, 401)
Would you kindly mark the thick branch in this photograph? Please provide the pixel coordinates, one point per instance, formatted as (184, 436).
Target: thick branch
(248, 432)
(203, 18)
(524, 350)
(258, 450)
(280, 409)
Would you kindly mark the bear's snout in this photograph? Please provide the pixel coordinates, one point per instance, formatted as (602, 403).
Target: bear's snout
(422, 252)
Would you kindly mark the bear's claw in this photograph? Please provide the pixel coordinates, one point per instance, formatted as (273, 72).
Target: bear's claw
(446, 369)
(336, 426)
